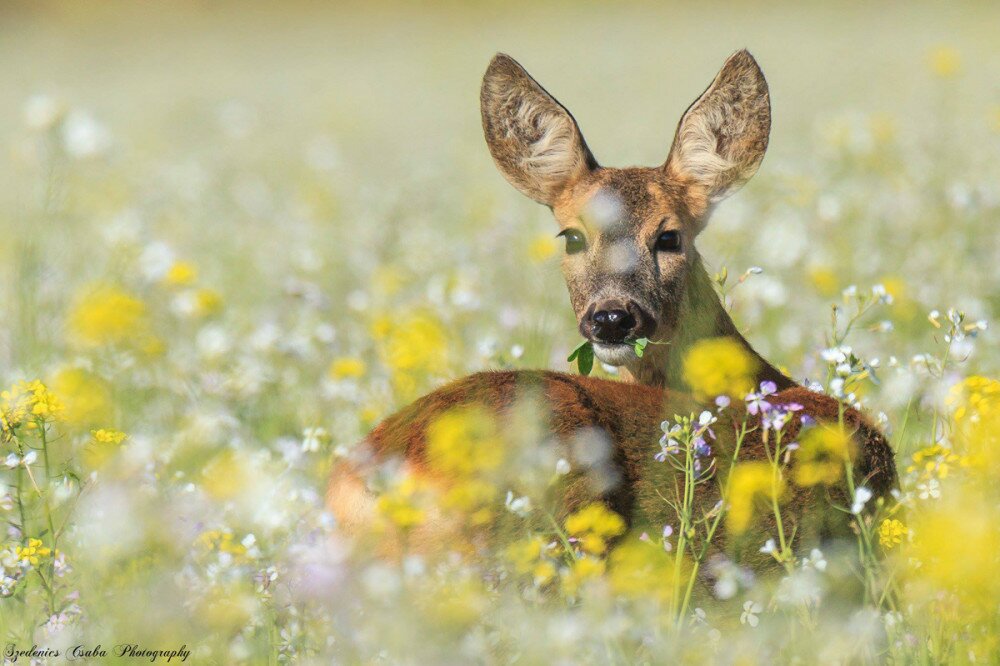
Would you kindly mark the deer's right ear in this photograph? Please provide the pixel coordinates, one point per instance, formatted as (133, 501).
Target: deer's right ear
(534, 140)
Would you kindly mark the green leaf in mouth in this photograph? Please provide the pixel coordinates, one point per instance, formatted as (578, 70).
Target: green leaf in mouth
(584, 357)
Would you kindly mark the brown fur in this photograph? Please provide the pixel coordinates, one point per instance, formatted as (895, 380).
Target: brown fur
(630, 415)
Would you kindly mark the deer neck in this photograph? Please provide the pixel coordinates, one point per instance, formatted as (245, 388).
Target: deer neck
(701, 315)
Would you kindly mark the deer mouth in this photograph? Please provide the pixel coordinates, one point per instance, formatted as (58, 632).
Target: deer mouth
(614, 353)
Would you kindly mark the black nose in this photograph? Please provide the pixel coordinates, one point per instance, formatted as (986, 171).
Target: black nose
(612, 326)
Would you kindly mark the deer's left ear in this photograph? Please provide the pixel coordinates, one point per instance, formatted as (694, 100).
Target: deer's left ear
(722, 137)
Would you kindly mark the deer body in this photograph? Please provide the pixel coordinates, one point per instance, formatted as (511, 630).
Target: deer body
(633, 272)
(630, 415)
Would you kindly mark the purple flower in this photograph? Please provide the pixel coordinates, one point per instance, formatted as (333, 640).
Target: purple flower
(756, 403)
(775, 419)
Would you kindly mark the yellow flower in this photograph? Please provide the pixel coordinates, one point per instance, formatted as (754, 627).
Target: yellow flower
(974, 398)
(584, 569)
(976, 417)
(542, 247)
(934, 461)
(824, 279)
(719, 366)
(44, 403)
(181, 274)
(895, 287)
(463, 442)
(33, 552)
(463, 447)
(823, 452)
(206, 302)
(27, 402)
(413, 347)
(87, 398)
(381, 326)
(368, 415)
(944, 61)
(956, 541)
(108, 316)
(593, 525)
(471, 497)
(891, 533)
(456, 605)
(641, 570)
(524, 553)
(528, 556)
(221, 541)
(108, 436)
(400, 505)
(751, 482)
(344, 367)
(102, 446)
(225, 476)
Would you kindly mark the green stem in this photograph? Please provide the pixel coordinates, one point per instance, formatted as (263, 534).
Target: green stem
(48, 511)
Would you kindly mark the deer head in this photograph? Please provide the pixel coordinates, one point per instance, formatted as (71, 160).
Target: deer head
(630, 261)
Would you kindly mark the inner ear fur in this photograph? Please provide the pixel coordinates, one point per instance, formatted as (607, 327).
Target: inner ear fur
(533, 139)
(721, 138)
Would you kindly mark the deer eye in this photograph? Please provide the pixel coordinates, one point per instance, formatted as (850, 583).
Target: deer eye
(575, 242)
(668, 241)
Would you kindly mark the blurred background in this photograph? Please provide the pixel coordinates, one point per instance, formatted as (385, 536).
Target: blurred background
(242, 233)
(372, 107)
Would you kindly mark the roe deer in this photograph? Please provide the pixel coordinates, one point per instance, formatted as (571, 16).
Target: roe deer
(632, 272)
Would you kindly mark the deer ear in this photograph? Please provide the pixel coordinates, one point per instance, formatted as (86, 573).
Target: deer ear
(534, 140)
(722, 137)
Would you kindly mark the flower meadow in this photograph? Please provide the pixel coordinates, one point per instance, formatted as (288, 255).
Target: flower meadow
(198, 323)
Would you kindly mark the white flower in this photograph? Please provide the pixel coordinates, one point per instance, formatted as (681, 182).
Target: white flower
(42, 112)
(83, 136)
(13, 460)
(929, 490)
(313, 438)
(668, 531)
(155, 260)
(520, 506)
(749, 614)
(562, 467)
(816, 560)
(861, 497)
(769, 547)
(836, 355)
